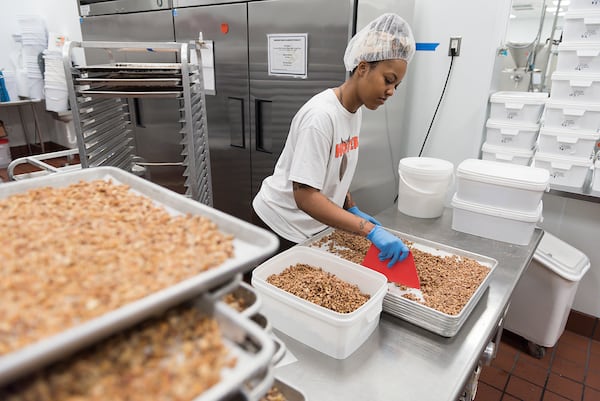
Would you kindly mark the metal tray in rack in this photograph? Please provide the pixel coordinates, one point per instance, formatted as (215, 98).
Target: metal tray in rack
(252, 348)
(418, 314)
(110, 93)
(133, 66)
(131, 82)
(252, 245)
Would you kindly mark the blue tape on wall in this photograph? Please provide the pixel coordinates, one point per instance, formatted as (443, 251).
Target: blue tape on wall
(427, 46)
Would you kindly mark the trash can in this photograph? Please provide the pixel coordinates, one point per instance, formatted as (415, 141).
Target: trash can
(542, 300)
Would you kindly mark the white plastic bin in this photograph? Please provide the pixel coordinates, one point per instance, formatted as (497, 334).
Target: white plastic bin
(596, 179)
(584, 5)
(578, 57)
(423, 185)
(5, 156)
(521, 135)
(574, 115)
(506, 154)
(505, 225)
(568, 142)
(576, 87)
(517, 106)
(496, 184)
(581, 25)
(541, 301)
(566, 173)
(335, 334)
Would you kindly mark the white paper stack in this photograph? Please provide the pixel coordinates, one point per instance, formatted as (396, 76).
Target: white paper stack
(34, 37)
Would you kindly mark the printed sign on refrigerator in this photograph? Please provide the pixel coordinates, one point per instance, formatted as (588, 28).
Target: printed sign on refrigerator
(288, 54)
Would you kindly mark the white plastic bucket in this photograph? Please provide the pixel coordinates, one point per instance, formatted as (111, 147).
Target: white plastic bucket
(423, 184)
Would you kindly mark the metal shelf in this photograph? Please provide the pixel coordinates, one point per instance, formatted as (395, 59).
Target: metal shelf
(104, 127)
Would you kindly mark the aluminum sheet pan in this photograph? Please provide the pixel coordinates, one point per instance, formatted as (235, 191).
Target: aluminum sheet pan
(251, 346)
(252, 245)
(418, 314)
(131, 82)
(134, 93)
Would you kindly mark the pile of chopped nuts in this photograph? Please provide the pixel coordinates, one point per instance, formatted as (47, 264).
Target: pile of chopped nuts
(447, 283)
(74, 253)
(274, 395)
(319, 287)
(235, 301)
(175, 357)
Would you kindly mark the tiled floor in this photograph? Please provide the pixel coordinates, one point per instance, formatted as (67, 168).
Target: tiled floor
(568, 371)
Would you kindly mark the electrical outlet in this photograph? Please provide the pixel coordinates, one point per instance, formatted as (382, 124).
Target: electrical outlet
(454, 45)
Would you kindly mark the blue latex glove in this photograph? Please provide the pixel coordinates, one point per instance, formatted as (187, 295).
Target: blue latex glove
(355, 211)
(390, 246)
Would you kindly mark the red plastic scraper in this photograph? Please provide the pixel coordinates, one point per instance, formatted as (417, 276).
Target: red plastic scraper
(404, 272)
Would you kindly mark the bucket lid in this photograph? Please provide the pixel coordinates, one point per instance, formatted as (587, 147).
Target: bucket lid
(578, 78)
(512, 125)
(563, 259)
(564, 161)
(427, 166)
(566, 106)
(505, 174)
(527, 217)
(583, 49)
(570, 133)
(519, 97)
(486, 147)
(593, 15)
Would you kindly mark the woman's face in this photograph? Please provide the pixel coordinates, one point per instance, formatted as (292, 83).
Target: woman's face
(378, 81)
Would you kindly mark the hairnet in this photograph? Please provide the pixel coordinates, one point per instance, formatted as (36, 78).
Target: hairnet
(387, 37)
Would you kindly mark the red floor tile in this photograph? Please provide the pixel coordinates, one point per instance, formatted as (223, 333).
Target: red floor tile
(567, 368)
(592, 379)
(590, 394)
(550, 396)
(530, 372)
(523, 389)
(565, 387)
(487, 393)
(494, 377)
(576, 352)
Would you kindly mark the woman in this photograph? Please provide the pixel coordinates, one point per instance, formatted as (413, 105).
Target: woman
(308, 190)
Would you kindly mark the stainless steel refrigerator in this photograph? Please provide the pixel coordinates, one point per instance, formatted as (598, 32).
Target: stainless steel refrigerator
(249, 114)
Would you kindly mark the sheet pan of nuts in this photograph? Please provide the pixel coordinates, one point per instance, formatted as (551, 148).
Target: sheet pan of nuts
(91, 252)
(199, 350)
(452, 280)
(243, 299)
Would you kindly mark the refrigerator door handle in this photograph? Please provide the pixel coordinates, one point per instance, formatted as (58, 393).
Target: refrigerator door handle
(137, 109)
(237, 134)
(261, 111)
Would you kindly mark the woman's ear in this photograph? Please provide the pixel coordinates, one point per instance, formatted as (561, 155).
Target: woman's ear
(362, 68)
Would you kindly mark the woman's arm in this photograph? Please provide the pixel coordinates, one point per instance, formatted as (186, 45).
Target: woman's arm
(311, 201)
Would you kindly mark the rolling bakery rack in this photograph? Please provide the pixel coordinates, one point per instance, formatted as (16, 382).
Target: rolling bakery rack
(99, 98)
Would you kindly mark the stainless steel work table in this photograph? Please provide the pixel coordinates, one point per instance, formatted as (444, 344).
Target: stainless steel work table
(403, 362)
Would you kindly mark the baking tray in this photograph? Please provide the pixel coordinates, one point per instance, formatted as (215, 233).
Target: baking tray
(248, 295)
(252, 245)
(154, 93)
(418, 314)
(252, 348)
(131, 82)
(175, 67)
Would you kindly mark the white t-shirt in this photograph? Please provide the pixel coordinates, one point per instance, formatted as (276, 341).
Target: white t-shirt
(321, 133)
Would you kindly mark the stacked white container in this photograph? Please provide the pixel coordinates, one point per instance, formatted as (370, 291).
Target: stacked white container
(513, 126)
(35, 39)
(498, 200)
(55, 82)
(571, 121)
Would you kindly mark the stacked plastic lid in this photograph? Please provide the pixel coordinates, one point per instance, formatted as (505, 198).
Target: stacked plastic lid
(55, 83)
(498, 200)
(34, 36)
(513, 126)
(571, 123)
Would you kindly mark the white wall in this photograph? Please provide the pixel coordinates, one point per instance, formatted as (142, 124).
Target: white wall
(62, 17)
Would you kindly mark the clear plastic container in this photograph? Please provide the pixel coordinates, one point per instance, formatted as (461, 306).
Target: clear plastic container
(521, 135)
(335, 334)
(573, 115)
(506, 154)
(517, 106)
